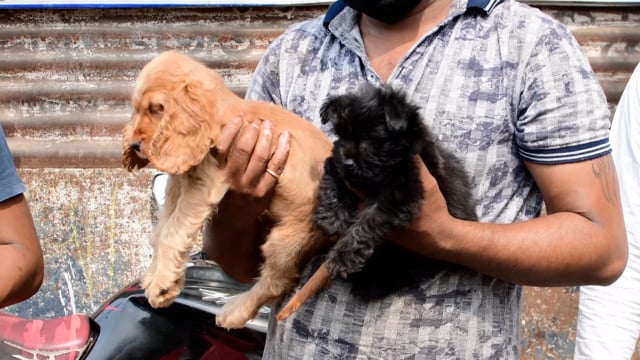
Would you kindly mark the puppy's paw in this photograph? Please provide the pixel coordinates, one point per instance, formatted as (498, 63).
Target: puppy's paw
(161, 289)
(343, 261)
(237, 312)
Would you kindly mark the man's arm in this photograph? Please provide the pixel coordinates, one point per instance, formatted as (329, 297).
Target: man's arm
(21, 268)
(581, 241)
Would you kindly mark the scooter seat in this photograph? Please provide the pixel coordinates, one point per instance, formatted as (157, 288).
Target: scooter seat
(63, 337)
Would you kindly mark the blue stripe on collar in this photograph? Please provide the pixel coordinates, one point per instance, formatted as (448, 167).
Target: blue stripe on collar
(333, 11)
(486, 5)
(335, 8)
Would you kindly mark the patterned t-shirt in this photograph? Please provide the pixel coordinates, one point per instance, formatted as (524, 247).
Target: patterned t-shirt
(10, 184)
(497, 83)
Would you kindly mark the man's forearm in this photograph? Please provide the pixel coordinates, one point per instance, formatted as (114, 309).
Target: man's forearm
(19, 276)
(555, 250)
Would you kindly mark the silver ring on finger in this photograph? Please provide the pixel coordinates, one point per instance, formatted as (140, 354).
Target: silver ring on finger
(273, 173)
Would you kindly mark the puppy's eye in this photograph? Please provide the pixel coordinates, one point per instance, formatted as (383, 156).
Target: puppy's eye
(156, 109)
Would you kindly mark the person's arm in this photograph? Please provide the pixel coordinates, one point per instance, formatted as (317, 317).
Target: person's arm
(234, 235)
(581, 241)
(21, 268)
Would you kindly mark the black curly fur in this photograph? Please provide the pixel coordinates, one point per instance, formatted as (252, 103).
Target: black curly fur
(378, 134)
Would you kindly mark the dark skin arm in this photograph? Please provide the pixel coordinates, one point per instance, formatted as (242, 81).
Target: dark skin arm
(22, 267)
(238, 231)
(581, 241)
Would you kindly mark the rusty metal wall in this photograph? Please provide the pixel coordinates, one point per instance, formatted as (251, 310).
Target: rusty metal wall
(65, 78)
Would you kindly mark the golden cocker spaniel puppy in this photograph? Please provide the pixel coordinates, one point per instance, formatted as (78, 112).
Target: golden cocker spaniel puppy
(180, 106)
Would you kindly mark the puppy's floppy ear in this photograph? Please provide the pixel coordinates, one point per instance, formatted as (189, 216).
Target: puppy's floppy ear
(401, 115)
(395, 116)
(394, 122)
(392, 103)
(182, 138)
(403, 118)
(327, 110)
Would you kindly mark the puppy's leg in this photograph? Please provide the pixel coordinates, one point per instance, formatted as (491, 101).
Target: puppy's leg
(336, 203)
(169, 206)
(318, 280)
(286, 245)
(371, 229)
(199, 193)
(351, 252)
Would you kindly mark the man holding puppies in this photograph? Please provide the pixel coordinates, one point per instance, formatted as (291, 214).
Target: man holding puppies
(502, 85)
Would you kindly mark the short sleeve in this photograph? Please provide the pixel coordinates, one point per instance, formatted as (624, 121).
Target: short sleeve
(10, 184)
(563, 114)
(265, 82)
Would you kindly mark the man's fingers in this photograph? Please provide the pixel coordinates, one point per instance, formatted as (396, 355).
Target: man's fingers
(428, 181)
(261, 154)
(274, 169)
(240, 153)
(227, 134)
(279, 158)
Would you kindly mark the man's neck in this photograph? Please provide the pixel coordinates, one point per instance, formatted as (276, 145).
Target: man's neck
(387, 44)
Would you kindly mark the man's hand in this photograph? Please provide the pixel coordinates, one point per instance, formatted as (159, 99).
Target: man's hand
(245, 155)
(433, 216)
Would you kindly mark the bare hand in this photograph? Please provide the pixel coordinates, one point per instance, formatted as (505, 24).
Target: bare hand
(245, 155)
(421, 235)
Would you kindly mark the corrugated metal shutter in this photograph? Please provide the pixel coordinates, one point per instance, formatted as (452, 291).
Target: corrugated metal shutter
(67, 74)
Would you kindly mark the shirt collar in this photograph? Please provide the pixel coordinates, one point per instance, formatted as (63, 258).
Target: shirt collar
(334, 9)
(484, 5)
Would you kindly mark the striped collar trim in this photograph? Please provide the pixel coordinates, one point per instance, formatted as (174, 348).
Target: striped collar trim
(568, 154)
(484, 5)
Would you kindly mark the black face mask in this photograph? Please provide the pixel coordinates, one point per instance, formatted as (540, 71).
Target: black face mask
(387, 11)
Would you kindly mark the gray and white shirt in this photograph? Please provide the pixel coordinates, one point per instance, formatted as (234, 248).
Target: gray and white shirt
(497, 82)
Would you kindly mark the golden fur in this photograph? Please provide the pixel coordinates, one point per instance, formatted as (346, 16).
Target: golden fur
(180, 106)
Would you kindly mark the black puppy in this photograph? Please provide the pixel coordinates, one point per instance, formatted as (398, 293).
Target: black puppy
(379, 132)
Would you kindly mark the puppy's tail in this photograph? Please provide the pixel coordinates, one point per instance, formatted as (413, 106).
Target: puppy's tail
(319, 279)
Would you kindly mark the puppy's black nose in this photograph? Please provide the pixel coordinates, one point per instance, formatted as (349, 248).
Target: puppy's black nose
(135, 145)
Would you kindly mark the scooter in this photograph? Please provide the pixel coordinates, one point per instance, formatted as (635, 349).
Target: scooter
(126, 327)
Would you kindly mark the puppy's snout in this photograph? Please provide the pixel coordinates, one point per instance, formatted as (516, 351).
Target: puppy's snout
(135, 145)
(346, 154)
